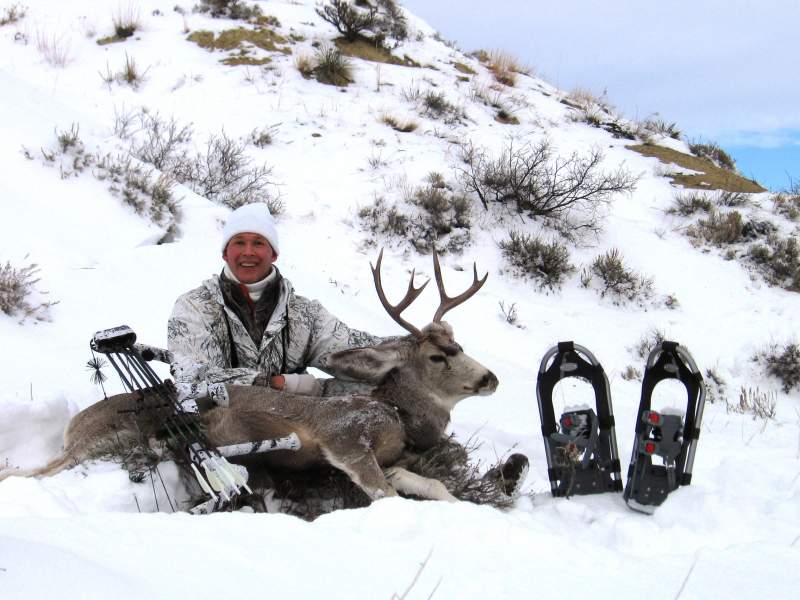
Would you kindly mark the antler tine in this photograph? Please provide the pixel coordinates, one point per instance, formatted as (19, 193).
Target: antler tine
(446, 302)
(395, 310)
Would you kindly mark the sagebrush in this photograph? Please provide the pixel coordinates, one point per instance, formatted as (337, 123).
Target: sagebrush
(546, 262)
(232, 9)
(619, 281)
(431, 217)
(18, 293)
(783, 362)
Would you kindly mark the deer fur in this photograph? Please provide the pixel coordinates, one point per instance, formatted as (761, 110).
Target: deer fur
(420, 381)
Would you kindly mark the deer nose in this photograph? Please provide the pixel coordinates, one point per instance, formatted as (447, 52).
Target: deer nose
(488, 381)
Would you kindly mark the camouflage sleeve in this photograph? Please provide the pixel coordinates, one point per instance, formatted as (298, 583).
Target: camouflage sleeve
(329, 335)
(193, 337)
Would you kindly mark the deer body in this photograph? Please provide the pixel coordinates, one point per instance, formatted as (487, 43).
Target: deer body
(420, 378)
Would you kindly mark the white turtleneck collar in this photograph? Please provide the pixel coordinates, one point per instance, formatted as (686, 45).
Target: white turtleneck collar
(254, 289)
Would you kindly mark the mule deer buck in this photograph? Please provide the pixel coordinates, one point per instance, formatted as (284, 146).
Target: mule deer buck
(420, 378)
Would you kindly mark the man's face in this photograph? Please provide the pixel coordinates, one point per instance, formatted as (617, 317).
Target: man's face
(249, 256)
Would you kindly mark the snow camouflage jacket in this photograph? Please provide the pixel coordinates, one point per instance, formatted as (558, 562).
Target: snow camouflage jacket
(197, 332)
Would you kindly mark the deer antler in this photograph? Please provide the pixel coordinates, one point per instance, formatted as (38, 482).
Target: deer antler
(446, 302)
(411, 295)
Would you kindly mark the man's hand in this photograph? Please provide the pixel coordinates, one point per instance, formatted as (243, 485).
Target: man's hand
(301, 384)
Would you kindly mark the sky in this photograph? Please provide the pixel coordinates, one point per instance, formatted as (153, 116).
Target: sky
(725, 71)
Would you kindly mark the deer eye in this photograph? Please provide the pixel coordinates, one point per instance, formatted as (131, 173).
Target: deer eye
(437, 358)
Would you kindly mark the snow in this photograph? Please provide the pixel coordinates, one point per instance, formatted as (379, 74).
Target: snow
(733, 533)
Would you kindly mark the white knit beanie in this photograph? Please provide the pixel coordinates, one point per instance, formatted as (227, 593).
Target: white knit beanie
(251, 218)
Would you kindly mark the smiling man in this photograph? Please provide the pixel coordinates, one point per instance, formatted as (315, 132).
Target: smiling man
(246, 325)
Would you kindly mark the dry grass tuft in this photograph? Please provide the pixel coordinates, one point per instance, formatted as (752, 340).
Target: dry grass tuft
(505, 67)
(403, 126)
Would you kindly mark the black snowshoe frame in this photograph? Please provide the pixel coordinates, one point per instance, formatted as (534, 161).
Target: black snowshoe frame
(664, 435)
(582, 458)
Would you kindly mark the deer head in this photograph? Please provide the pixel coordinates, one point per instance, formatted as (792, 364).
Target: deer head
(428, 360)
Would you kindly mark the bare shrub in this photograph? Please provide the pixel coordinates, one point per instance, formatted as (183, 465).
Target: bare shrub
(390, 22)
(649, 340)
(787, 204)
(445, 218)
(18, 290)
(226, 175)
(732, 199)
(435, 104)
(631, 373)
(656, 125)
(147, 192)
(719, 228)
(617, 280)
(688, 203)
(346, 18)
(160, 142)
(716, 386)
(264, 136)
(435, 217)
(546, 262)
(232, 9)
(535, 181)
(126, 20)
(69, 139)
(331, 67)
(384, 220)
(12, 14)
(783, 362)
(779, 261)
(760, 404)
(715, 154)
(55, 49)
(592, 109)
(510, 314)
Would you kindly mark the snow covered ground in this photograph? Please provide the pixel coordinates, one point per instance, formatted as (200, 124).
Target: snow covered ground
(734, 533)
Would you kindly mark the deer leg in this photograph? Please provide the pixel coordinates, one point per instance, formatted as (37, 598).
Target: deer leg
(364, 471)
(411, 483)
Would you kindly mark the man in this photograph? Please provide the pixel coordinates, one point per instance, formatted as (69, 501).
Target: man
(247, 326)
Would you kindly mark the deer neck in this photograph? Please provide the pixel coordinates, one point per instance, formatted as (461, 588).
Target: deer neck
(425, 415)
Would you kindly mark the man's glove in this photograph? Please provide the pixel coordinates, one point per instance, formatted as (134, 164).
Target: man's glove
(187, 372)
(302, 384)
(189, 393)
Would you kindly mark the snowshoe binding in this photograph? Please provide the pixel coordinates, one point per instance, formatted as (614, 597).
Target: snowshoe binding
(581, 450)
(664, 435)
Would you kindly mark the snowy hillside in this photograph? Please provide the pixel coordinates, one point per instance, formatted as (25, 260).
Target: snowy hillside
(81, 197)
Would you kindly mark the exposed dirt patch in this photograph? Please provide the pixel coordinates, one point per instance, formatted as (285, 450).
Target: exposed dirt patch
(709, 176)
(244, 42)
(367, 50)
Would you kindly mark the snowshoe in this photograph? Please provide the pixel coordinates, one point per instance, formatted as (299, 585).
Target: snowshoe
(581, 450)
(664, 435)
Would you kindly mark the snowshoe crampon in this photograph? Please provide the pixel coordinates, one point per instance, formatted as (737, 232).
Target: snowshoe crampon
(664, 436)
(581, 449)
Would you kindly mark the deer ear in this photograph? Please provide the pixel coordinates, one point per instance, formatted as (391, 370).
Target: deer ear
(364, 364)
